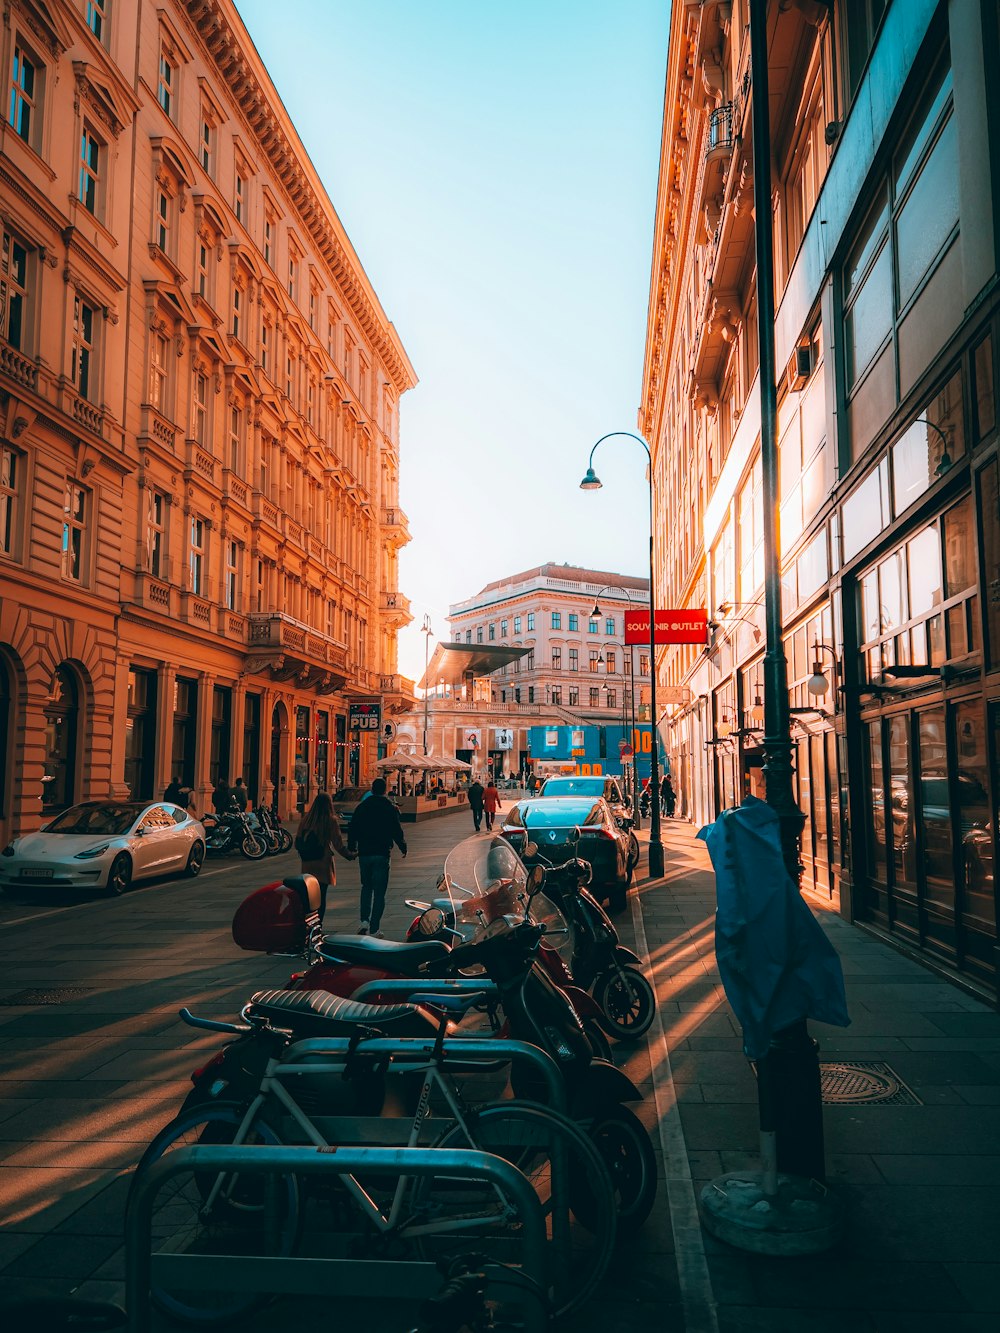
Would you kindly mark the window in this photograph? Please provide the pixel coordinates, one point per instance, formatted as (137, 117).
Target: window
(574, 621)
(531, 694)
(265, 348)
(574, 659)
(503, 629)
(311, 400)
(159, 354)
(74, 532)
(529, 660)
(207, 143)
(612, 698)
(556, 659)
(531, 620)
(166, 89)
(517, 624)
(468, 636)
(313, 302)
(610, 663)
(197, 558)
(644, 664)
(293, 273)
(14, 291)
(240, 196)
(479, 634)
(593, 659)
(557, 695)
(861, 20)
(84, 334)
(201, 269)
(609, 626)
(557, 620)
(493, 631)
(594, 695)
(574, 696)
(751, 534)
(592, 626)
(232, 575)
(201, 414)
(97, 17)
(235, 437)
(11, 468)
(269, 229)
(164, 208)
(24, 83)
(156, 509)
(237, 326)
(90, 170)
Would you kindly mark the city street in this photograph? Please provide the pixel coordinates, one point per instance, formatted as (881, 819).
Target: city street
(93, 1060)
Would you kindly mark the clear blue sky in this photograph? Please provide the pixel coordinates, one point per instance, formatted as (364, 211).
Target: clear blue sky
(495, 167)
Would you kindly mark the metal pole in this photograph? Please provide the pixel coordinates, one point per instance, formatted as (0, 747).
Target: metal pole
(427, 631)
(633, 738)
(655, 843)
(789, 1073)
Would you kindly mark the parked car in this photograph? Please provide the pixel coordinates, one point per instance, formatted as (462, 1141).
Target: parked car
(607, 788)
(105, 845)
(346, 801)
(553, 823)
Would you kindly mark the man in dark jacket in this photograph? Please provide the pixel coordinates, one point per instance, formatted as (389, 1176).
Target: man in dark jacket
(476, 794)
(373, 829)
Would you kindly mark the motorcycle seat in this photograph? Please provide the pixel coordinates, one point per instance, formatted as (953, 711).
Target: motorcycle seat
(392, 955)
(323, 1014)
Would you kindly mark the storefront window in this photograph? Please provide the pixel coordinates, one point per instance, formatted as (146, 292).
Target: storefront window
(302, 739)
(923, 557)
(140, 733)
(184, 726)
(222, 711)
(985, 405)
(251, 743)
(62, 718)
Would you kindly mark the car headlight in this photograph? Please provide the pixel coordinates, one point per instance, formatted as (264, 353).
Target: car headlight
(92, 852)
(8, 850)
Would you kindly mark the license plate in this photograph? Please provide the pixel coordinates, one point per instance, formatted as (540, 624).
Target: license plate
(36, 874)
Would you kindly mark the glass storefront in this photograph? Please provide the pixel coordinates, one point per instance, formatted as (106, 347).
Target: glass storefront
(140, 733)
(185, 727)
(62, 722)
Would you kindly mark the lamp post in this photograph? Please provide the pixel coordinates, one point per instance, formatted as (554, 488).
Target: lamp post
(426, 631)
(611, 587)
(591, 482)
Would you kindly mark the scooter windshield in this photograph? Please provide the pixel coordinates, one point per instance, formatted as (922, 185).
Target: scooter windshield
(487, 885)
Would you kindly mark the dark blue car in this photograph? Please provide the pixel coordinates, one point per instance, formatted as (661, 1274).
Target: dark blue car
(553, 822)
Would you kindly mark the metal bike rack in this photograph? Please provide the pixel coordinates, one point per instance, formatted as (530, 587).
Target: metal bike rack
(322, 1277)
(416, 1050)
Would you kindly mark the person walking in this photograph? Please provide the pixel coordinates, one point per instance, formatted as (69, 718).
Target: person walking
(241, 795)
(491, 803)
(175, 793)
(669, 796)
(319, 836)
(374, 828)
(476, 794)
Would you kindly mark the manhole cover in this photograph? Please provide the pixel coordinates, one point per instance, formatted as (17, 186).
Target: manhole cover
(46, 995)
(849, 1083)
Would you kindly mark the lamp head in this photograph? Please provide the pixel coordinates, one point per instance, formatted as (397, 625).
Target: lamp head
(597, 609)
(724, 728)
(591, 481)
(817, 684)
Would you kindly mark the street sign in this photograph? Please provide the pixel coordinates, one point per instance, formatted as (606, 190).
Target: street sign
(388, 732)
(687, 625)
(674, 694)
(625, 750)
(365, 715)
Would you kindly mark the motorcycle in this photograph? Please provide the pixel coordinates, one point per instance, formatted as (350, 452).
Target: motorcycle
(598, 961)
(279, 840)
(231, 832)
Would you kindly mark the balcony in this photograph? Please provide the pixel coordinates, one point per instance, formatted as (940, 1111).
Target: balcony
(719, 143)
(21, 369)
(396, 530)
(395, 608)
(291, 651)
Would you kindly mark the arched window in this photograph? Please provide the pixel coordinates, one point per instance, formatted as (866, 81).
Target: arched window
(62, 722)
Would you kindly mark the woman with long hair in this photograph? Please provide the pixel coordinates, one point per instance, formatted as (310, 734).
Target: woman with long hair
(319, 836)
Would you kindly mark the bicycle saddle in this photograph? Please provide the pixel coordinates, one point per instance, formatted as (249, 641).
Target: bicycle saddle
(325, 1015)
(392, 955)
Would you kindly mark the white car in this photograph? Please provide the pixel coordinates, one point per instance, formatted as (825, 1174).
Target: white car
(105, 845)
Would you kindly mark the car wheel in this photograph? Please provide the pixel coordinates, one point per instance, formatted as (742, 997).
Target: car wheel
(119, 876)
(195, 861)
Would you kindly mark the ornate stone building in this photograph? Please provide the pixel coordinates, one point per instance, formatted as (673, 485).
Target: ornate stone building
(884, 187)
(199, 423)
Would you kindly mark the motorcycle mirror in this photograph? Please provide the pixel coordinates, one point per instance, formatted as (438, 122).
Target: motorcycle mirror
(536, 878)
(431, 921)
(417, 906)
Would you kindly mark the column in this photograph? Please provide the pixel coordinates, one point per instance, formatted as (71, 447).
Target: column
(166, 677)
(203, 742)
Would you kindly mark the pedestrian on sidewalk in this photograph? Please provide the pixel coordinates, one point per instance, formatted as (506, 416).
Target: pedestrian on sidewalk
(222, 796)
(668, 795)
(240, 795)
(491, 803)
(476, 794)
(374, 828)
(319, 836)
(175, 793)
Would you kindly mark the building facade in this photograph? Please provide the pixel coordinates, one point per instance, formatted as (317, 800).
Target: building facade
(199, 424)
(886, 181)
(575, 668)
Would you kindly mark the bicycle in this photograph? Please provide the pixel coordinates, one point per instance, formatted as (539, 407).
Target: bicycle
(199, 1213)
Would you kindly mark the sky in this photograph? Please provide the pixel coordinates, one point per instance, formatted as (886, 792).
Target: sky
(495, 166)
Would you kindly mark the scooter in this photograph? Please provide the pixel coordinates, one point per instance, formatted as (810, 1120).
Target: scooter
(232, 832)
(600, 963)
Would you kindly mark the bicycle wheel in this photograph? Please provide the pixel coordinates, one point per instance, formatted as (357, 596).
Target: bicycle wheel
(541, 1144)
(208, 1214)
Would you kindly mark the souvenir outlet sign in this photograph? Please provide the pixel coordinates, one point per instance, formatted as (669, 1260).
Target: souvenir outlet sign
(684, 626)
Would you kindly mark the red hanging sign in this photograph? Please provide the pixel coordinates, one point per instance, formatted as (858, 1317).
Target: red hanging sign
(688, 625)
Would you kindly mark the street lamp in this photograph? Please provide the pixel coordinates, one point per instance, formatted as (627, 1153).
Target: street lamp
(611, 587)
(426, 631)
(591, 482)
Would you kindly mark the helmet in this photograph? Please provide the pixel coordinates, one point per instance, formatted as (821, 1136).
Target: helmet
(271, 920)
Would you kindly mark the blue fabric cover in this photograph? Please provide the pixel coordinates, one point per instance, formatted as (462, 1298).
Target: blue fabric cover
(776, 963)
